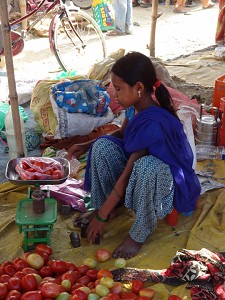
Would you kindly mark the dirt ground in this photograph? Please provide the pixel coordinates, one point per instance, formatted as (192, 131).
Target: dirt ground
(177, 35)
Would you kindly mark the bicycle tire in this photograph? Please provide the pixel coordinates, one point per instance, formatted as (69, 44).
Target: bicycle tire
(70, 52)
(83, 4)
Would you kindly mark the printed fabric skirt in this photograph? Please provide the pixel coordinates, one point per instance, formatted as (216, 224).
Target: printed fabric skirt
(149, 192)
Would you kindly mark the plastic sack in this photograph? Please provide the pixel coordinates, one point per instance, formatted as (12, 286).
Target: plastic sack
(81, 96)
(185, 114)
(36, 168)
(103, 14)
(4, 108)
(69, 193)
(74, 163)
(78, 123)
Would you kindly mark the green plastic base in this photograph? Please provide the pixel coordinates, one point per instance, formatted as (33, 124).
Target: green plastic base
(36, 227)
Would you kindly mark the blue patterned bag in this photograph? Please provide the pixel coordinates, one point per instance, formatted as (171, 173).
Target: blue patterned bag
(82, 96)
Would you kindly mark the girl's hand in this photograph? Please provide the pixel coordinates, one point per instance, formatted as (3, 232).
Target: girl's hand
(95, 228)
(75, 151)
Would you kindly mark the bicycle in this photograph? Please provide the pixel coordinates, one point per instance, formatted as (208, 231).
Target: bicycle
(74, 36)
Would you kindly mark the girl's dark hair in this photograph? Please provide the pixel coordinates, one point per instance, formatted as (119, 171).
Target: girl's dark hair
(134, 67)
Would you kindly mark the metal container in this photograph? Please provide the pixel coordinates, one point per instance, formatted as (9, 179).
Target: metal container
(207, 128)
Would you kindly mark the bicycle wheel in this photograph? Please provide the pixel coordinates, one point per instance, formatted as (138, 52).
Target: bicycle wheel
(83, 4)
(77, 41)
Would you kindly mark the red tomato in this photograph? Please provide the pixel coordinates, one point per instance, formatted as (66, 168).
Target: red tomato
(44, 255)
(13, 295)
(20, 265)
(15, 283)
(91, 285)
(71, 266)
(32, 295)
(81, 295)
(104, 273)
(84, 280)
(142, 298)
(57, 174)
(43, 248)
(50, 289)
(128, 295)
(6, 263)
(174, 297)
(29, 282)
(75, 297)
(3, 291)
(9, 270)
(51, 279)
(92, 274)
(59, 266)
(71, 276)
(5, 278)
(136, 286)
(30, 170)
(2, 271)
(39, 164)
(29, 270)
(113, 297)
(83, 269)
(103, 255)
(76, 286)
(117, 288)
(49, 171)
(46, 271)
(25, 165)
(19, 274)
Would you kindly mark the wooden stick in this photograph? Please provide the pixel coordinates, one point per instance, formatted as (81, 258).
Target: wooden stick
(23, 10)
(11, 76)
(155, 16)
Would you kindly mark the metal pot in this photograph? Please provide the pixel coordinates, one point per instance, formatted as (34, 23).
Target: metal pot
(207, 128)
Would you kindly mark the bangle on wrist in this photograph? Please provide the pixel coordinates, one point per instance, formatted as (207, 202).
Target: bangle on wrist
(115, 191)
(100, 219)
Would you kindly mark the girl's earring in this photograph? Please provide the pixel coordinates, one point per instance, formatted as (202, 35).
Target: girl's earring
(139, 94)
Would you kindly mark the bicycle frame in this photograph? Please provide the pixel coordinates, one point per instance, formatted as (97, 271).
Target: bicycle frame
(34, 11)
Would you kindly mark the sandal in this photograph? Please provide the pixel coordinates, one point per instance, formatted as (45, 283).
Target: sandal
(145, 4)
(179, 11)
(135, 3)
(115, 33)
(209, 6)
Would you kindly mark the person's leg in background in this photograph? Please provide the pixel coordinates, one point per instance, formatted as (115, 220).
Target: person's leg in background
(179, 7)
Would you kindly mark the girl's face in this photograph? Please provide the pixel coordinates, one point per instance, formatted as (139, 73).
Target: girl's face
(125, 95)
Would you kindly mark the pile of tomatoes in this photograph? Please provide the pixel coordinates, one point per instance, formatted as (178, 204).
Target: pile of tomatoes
(36, 276)
(39, 168)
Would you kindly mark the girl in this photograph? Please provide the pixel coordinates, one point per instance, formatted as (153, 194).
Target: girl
(147, 164)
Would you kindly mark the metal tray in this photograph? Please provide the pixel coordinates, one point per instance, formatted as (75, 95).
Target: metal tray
(14, 177)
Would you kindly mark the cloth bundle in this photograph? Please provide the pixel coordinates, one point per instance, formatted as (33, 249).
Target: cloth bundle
(203, 270)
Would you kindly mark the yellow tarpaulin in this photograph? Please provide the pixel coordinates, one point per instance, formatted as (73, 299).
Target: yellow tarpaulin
(205, 228)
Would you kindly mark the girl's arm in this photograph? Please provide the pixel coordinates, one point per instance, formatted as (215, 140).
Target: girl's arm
(78, 149)
(119, 189)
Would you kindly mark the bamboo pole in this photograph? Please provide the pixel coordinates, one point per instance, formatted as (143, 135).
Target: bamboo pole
(155, 16)
(23, 10)
(11, 76)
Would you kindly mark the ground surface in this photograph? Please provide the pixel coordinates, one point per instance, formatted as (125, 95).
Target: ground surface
(176, 35)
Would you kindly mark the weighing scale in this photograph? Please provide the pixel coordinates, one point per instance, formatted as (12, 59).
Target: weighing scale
(37, 227)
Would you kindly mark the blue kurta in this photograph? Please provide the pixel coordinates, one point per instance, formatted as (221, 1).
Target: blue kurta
(162, 134)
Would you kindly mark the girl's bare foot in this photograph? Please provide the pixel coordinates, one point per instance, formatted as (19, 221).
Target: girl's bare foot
(128, 249)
